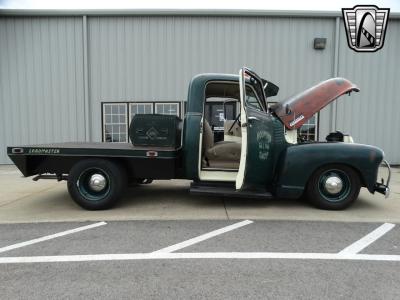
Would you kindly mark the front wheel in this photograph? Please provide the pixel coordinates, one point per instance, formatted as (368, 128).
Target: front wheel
(333, 187)
(96, 184)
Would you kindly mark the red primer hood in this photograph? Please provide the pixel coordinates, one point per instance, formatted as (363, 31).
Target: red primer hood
(295, 111)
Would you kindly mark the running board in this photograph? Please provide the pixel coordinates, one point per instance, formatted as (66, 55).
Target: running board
(225, 190)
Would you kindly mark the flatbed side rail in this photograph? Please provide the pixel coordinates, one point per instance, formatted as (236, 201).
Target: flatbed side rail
(58, 177)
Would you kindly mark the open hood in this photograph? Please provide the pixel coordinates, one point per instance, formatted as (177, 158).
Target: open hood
(295, 111)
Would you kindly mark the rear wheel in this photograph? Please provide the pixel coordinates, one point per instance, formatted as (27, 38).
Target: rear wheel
(333, 187)
(96, 184)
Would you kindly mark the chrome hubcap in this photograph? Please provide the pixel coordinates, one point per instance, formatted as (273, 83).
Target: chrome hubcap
(97, 182)
(333, 185)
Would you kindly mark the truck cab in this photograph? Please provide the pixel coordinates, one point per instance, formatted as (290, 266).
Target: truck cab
(248, 142)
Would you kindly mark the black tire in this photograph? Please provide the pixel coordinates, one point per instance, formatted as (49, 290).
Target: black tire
(323, 196)
(81, 192)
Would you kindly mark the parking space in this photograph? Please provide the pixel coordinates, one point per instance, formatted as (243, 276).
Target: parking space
(281, 236)
(115, 237)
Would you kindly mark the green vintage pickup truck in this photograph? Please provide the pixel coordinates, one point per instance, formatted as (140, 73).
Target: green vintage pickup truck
(258, 155)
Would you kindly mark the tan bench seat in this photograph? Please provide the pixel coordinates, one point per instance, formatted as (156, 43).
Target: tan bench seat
(224, 155)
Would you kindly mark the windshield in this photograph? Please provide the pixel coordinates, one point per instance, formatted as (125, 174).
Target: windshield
(252, 99)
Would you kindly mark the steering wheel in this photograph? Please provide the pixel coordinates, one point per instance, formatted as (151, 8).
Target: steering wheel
(237, 120)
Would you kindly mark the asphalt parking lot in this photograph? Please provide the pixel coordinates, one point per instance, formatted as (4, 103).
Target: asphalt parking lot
(160, 242)
(200, 259)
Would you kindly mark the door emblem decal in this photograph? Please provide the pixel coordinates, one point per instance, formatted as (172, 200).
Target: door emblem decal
(264, 142)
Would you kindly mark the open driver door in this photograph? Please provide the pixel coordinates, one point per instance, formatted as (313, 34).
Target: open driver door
(256, 161)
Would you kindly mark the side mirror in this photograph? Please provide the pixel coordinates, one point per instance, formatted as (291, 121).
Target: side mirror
(270, 89)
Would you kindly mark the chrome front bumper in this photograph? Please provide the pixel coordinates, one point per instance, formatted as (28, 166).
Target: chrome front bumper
(382, 187)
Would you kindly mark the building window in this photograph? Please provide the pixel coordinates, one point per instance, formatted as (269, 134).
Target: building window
(309, 130)
(167, 108)
(118, 115)
(140, 108)
(115, 126)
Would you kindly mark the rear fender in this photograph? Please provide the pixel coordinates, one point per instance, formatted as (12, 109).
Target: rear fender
(302, 160)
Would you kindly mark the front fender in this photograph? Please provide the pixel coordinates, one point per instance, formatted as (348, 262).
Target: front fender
(300, 161)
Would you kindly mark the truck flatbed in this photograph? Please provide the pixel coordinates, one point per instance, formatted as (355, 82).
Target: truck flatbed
(60, 157)
(73, 146)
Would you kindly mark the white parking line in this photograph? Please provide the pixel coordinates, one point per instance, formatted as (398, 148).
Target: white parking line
(204, 255)
(203, 237)
(367, 240)
(349, 253)
(49, 237)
